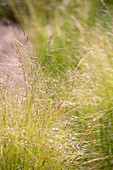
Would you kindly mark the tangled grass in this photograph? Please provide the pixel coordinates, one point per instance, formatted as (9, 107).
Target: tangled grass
(61, 116)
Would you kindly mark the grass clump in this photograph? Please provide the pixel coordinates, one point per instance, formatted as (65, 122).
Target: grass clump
(61, 117)
(34, 118)
(31, 128)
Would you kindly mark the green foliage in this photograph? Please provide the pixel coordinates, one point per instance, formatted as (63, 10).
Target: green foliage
(61, 117)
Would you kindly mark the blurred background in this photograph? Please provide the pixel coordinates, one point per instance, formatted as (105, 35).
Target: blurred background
(91, 7)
